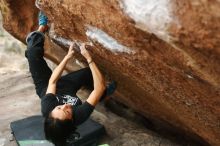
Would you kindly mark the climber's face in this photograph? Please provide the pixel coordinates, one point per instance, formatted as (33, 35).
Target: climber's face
(62, 112)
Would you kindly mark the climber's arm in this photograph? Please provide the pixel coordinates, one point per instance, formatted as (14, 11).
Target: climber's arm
(98, 80)
(58, 71)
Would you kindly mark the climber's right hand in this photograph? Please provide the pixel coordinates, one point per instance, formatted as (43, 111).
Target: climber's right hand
(71, 51)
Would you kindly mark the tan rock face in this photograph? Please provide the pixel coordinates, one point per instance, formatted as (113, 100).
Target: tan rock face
(165, 55)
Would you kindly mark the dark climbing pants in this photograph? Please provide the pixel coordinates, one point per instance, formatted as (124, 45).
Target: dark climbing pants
(40, 72)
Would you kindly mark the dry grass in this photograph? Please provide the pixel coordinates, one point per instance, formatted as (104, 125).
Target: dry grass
(4, 8)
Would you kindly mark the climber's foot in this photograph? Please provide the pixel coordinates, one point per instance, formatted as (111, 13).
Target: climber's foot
(42, 18)
(42, 22)
(111, 87)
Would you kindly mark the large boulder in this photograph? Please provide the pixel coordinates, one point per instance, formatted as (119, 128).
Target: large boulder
(164, 54)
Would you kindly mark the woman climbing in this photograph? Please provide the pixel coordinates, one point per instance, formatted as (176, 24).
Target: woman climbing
(62, 109)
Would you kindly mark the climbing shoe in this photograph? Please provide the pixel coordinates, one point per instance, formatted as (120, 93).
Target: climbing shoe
(110, 88)
(42, 18)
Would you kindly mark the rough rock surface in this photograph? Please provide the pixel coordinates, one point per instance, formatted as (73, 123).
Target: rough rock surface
(164, 54)
(17, 96)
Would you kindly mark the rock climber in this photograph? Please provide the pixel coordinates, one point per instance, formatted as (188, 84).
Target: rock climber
(62, 109)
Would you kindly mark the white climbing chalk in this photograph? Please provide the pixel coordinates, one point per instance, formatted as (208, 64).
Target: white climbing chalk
(107, 41)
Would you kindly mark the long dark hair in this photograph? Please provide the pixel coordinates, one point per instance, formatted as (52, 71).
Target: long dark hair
(57, 131)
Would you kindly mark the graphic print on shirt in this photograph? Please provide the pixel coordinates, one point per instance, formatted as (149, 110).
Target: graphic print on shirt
(67, 99)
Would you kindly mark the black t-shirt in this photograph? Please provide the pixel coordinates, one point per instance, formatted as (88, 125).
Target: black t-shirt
(81, 112)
